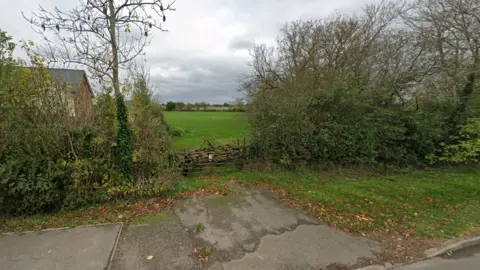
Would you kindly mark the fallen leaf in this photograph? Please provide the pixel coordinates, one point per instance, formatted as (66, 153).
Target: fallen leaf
(363, 218)
(150, 257)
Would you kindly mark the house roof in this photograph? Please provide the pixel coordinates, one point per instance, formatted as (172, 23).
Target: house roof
(70, 76)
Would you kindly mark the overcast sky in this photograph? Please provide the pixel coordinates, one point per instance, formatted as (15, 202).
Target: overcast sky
(206, 49)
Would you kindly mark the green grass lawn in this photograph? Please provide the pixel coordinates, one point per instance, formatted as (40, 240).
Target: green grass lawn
(217, 127)
(440, 203)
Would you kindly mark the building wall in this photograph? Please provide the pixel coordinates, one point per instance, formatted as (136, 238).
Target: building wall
(84, 101)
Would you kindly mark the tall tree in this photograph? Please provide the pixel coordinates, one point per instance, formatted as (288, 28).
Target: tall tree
(105, 36)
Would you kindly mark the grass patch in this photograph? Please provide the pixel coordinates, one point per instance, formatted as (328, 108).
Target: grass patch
(150, 218)
(217, 127)
(436, 203)
(199, 228)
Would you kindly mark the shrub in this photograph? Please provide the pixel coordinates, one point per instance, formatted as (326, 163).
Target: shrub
(371, 100)
(51, 160)
(462, 148)
(153, 158)
(30, 184)
(36, 141)
(339, 128)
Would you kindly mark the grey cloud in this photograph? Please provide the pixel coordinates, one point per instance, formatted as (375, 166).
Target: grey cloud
(240, 44)
(196, 77)
(218, 87)
(182, 71)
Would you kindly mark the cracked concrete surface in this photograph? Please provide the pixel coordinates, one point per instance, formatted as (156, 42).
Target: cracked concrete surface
(250, 229)
(246, 229)
(234, 224)
(306, 247)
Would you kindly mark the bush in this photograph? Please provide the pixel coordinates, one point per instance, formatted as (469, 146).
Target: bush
(50, 160)
(463, 148)
(30, 184)
(154, 158)
(368, 101)
(35, 136)
(342, 130)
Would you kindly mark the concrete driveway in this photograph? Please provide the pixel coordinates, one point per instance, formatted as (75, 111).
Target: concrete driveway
(248, 229)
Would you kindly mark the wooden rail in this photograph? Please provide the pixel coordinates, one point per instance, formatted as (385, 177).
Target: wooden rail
(191, 160)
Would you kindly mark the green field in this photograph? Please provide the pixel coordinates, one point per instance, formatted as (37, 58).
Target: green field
(217, 127)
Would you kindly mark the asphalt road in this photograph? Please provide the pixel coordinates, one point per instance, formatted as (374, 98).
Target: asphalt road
(465, 259)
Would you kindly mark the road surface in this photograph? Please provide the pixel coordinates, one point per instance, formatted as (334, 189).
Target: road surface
(465, 259)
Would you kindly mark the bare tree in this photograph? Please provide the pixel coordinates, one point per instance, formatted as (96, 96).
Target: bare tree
(449, 31)
(312, 58)
(104, 35)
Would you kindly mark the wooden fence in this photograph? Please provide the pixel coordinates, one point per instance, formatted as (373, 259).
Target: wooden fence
(210, 157)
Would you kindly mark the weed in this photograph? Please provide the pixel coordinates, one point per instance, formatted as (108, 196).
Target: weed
(206, 252)
(199, 228)
(202, 253)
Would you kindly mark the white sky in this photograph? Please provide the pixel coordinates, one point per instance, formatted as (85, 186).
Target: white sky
(206, 49)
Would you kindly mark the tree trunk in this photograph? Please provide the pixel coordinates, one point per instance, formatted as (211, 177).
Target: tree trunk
(113, 43)
(124, 134)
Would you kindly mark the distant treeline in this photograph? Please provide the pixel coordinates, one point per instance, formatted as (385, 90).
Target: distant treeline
(237, 106)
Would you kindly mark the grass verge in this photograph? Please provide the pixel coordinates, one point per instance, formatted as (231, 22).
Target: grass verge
(440, 203)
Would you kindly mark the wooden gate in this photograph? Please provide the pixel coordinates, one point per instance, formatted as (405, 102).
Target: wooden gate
(209, 155)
